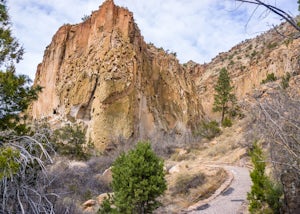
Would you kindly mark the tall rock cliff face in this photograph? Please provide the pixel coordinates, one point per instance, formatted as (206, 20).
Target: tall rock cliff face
(102, 73)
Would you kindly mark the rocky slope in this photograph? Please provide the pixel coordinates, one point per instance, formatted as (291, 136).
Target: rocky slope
(249, 63)
(102, 73)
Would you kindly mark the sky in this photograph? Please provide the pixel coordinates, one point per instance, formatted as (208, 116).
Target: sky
(195, 29)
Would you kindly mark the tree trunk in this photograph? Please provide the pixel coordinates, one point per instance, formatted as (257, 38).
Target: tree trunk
(223, 114)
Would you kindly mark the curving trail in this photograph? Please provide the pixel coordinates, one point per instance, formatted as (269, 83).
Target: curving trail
(230, 201)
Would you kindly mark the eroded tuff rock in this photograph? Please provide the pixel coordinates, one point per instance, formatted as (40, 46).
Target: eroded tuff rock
(101, 72)
(248, 63)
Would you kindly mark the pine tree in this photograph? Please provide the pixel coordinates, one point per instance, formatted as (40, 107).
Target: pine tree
(15, 96)
(224, 94)
(10, 50)
(257, 196)
(15, 92)
(138, 179)
(264, 196)
(22, 157)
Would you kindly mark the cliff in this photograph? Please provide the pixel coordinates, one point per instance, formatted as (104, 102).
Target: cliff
(102, 73)
(248, 63)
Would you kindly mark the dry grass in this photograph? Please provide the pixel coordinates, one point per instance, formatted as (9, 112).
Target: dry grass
(209, 187)
(190, 179)
(229, 148)
(185, 183)
(190, 185)
(190, 182)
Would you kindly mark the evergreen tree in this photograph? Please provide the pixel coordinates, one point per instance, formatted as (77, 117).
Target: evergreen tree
(15, 92)
(256, 197)
(223, 95)
(15, 96)
(138, 179)
(22, 157)
(264, 196)
(10, 50)
(70, 140)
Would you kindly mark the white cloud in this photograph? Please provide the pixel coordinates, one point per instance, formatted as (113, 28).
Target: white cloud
(195, 30)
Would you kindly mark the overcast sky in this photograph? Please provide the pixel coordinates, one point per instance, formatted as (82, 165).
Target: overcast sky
(195, 29)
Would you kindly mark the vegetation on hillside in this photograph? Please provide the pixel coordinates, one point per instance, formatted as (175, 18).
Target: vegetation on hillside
(270, 78)
(277, 121)
(70, 141)
(28, 186)
(265, 195)
(208, 129)
(224, 98)
(138, 180)
(24, 153)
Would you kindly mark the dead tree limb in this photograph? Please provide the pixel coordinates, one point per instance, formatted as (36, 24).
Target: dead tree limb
(24, 190)
(281, 13)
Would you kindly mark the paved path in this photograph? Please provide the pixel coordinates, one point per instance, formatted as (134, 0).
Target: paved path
(230, 201)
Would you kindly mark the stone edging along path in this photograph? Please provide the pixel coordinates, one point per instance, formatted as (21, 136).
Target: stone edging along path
(219, 191)
(230, 197)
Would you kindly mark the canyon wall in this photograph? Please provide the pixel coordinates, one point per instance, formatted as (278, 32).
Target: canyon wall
(248, 63)
(101, 73)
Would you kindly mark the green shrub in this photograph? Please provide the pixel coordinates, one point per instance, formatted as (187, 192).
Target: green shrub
(106, 206)
(208, 130)
(85, 18)
(264, 196)
(70, 141)
(227, 122)
(272, 45)
(138, 179)
(8, 164)
(254, 53)
(270, 78)
(285, 80)
(273, 194)
(236, 112)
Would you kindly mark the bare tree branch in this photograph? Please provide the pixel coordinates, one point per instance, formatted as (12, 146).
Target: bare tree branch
(277, 122)
(24, 191)
(281, 13)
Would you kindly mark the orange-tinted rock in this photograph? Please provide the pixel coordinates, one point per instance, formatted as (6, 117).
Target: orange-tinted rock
(248, 63)
(101, 72)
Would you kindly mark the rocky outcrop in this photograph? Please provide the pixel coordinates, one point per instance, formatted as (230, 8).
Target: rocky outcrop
(102, 73)
(248, 63)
